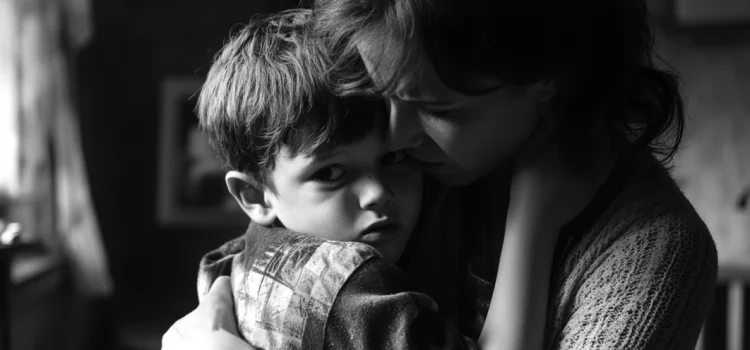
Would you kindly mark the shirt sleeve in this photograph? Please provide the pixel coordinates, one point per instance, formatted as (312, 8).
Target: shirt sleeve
(651, 289)
(375, 310)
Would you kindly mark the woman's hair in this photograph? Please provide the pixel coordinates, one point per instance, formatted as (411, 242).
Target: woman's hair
(598, 52)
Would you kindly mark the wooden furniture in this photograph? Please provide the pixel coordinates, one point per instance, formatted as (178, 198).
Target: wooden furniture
(736, 279)
(7, 252)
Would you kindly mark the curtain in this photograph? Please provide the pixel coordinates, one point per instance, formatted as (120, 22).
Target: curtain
(53, 189)
(9, 143)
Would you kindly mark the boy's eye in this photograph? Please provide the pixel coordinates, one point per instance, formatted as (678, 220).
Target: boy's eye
(394, 157)
(330, 173)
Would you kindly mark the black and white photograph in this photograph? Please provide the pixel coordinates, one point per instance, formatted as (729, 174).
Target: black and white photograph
(374, 174)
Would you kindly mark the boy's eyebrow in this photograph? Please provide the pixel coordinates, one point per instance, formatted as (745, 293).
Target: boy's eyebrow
(324, 153)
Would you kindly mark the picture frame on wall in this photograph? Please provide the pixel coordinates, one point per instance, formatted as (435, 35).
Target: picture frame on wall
(190, 188)
(712, 12)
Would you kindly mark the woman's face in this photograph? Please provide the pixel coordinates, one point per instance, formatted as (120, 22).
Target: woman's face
(457, 138)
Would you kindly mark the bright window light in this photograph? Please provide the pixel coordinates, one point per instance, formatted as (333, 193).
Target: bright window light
(9, 131)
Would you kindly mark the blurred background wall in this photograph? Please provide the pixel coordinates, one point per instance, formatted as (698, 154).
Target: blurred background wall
(136, 46)
(115, 82)
(708, 43)
(713, 169)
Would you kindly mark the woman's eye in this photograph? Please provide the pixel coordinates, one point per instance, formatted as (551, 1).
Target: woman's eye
(391, 158)
(330, 173)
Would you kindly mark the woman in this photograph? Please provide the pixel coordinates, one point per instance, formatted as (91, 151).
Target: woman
(469, 84)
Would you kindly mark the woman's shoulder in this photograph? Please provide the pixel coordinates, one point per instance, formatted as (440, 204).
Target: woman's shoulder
(650, 256)
(647, 220)
(651, 216)
(651, 200)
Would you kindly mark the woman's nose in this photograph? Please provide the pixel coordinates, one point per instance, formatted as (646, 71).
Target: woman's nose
(404, 128)
(374, 193)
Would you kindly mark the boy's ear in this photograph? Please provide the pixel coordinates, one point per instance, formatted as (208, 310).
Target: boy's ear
(251, 197)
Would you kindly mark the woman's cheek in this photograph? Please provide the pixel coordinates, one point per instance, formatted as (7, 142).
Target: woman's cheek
(445, 136)
(412, 187)
(465, 146)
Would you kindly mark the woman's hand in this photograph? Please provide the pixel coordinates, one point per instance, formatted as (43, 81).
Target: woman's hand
(211, 326)
(546, 193)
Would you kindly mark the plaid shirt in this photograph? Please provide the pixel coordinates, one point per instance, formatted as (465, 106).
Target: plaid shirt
(295, 291)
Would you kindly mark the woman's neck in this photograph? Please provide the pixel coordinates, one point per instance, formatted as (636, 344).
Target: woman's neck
(491, 196)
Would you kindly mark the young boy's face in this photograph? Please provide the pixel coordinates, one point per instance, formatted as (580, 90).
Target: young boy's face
(355, 192)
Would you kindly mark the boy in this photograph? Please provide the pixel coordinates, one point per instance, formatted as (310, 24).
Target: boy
(304, 160)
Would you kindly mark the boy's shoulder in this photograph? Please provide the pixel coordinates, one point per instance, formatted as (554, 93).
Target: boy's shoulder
(284, 283)
(262, 246)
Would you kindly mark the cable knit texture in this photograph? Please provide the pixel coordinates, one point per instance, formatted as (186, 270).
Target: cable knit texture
(640, 274)
(643, 277)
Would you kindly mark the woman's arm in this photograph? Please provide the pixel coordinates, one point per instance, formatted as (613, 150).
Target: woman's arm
(546, 193)
(517, 312)
(210, 326)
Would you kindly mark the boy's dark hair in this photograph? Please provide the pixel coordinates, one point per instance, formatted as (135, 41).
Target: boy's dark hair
(268, 87)
(600, 54)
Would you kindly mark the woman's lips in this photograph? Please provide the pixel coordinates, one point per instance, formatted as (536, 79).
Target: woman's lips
(380, 232)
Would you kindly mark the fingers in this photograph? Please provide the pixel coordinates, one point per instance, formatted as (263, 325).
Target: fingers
(173, 339)
(220, 291)
(540, 138)
(218, 304)
(212, 322)
(217, 340)
(226, 341)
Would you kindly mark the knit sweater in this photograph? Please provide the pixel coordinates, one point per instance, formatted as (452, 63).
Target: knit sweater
(636, 270)
(641, 277)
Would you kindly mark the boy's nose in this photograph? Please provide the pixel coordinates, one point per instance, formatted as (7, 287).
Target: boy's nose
(374, 194)
(404, 128)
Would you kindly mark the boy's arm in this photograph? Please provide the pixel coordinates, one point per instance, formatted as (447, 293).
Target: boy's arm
(375, 310)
